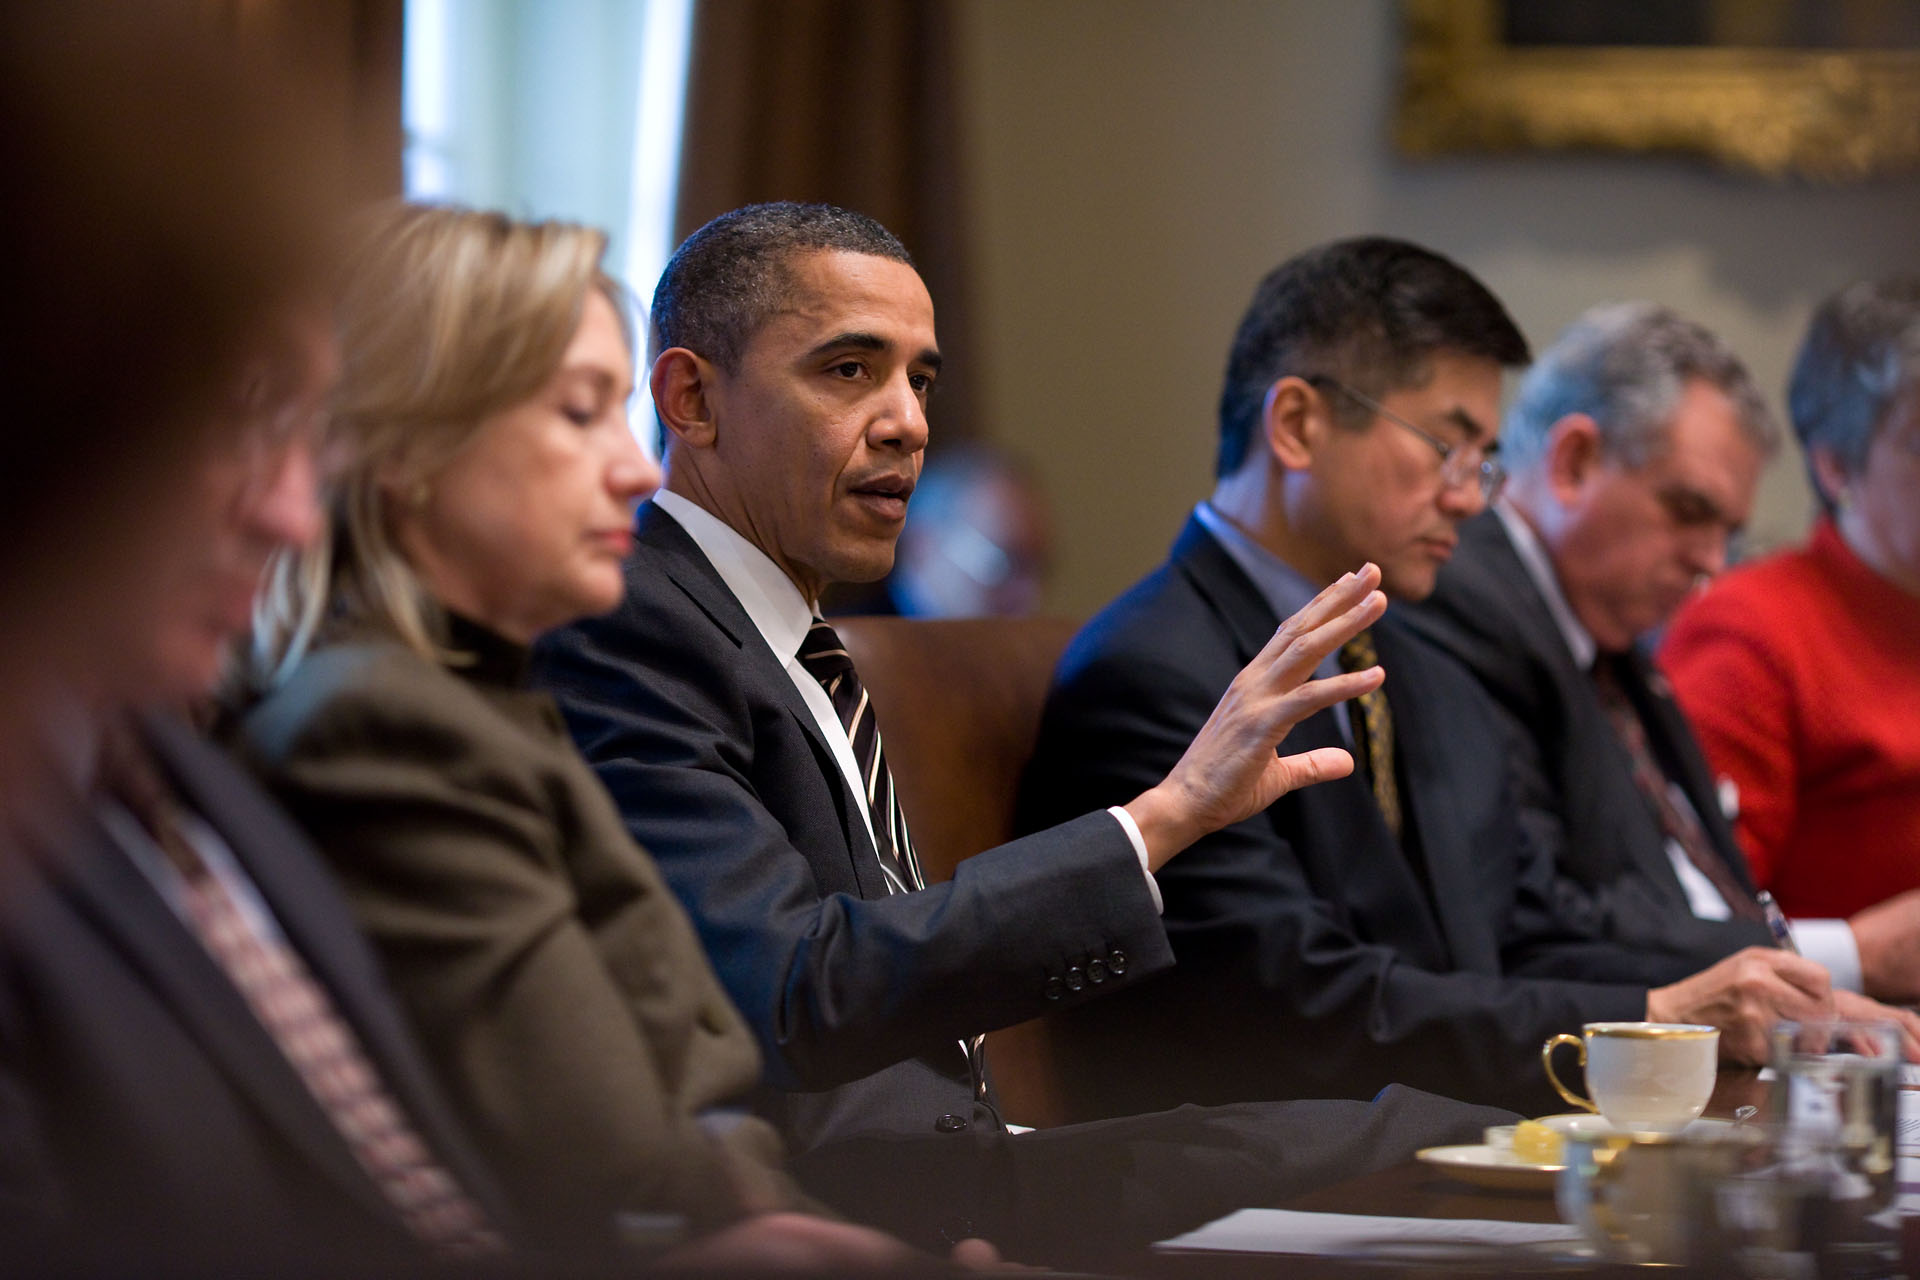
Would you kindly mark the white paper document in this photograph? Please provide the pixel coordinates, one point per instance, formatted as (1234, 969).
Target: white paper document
(1286, 1231)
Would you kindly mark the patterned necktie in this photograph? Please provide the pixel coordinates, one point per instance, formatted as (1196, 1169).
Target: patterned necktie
(826, 659)
(1678, 823)
(303, 1022)
(1373, 730)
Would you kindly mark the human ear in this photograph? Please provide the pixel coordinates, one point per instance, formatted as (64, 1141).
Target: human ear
(1832, 477)
(403, 481)
(1292, 428)
(681, 382)
(1572, 453)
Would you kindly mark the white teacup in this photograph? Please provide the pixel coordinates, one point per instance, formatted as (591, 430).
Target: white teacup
(1649, 1077)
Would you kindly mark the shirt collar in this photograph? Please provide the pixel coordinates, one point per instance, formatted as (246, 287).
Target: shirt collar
(1285, 589)
(1539, 567)
(774, 605)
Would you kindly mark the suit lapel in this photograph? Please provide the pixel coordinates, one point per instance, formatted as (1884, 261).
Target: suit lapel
(1588, 729)
(1333, 814)
(1431, 794)
(105, 884)
(1673, 743)
(319, 925)
(1488, 552)
(688, 568)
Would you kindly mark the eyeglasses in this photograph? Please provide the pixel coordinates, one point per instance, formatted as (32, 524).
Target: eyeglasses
(1458, 464)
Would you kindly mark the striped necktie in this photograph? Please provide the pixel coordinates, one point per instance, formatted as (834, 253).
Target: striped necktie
(826, 659)
(302, 1020)
(1373, 731)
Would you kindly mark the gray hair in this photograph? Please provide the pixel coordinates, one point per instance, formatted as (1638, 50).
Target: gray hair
(1625, 365)
(1861, 353)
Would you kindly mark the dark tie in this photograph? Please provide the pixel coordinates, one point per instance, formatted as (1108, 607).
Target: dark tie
(1373, 731)
(826, 659)
(1677, 822)
(300, 1017)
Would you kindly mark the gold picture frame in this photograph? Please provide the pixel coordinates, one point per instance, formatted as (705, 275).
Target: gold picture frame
(1826, 115)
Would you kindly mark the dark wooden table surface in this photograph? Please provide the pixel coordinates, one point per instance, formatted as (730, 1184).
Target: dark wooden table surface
(1415, 1190)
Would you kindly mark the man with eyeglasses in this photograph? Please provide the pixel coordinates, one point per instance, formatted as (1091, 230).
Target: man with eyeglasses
(1396, 925)
(1636, 442)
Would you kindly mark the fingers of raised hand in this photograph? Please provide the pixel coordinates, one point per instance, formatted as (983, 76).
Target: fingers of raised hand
(1293, 653)
(1330, 619)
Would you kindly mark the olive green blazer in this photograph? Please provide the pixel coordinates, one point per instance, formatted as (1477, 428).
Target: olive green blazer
(557, 984)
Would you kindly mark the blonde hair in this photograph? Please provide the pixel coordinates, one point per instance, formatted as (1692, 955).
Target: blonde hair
(445, 317)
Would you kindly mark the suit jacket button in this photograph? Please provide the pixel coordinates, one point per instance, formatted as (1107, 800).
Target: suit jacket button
(1096, 971)
(1055, 988)
(1117, 961)
(949, 1123)
(1076, 978)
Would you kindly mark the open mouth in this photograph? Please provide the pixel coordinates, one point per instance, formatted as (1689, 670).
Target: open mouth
(886, 495)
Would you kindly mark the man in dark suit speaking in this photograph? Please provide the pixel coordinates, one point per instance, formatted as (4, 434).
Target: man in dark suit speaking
(1392, 925)
(794, 357)
(1635, 446)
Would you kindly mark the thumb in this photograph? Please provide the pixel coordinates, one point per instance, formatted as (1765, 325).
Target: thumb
(1322, 764)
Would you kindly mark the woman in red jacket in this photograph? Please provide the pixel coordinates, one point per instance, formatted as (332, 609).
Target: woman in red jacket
(1801, 673)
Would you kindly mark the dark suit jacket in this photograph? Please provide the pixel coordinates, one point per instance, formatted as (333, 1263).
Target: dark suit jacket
(858, 998)
(1575, 778)
(1312, 959)
(554, 980)
(171, 1128)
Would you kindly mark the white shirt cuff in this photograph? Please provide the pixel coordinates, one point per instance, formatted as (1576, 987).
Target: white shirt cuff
(1132, 828)
(1831, 943)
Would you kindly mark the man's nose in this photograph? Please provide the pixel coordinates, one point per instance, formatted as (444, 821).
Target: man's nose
(903, 424)
(284, 508)
(1708, 553)
(1464, 500)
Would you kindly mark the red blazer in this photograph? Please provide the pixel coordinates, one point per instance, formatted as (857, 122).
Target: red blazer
(1801, 675)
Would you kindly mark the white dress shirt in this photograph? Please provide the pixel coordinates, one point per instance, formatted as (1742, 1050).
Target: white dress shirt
(1828, 941)
(783, 617)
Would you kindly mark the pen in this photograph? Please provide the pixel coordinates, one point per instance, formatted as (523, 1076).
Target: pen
(1776, 922)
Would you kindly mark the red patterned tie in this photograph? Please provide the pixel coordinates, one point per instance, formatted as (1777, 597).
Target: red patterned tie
(301, 1018)
(1678, 824)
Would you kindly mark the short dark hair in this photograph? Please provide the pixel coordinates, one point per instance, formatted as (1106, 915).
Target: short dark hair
(726, 278)
(1368, 311)
(1860, 355)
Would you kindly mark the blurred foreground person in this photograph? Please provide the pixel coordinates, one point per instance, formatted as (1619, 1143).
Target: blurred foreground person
(196, 1055)
(795, 355)
(1634, 445)
(207, 1060)
(483, 493)
(143, 262)
(978, 543)
(1394, 924)
(1801, 672)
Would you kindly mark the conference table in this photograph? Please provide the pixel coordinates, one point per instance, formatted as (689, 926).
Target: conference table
(1416, 1190)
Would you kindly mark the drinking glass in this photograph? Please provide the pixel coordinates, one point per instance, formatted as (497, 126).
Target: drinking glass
(1834, 1107)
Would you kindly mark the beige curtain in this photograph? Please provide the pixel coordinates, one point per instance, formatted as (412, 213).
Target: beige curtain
(851, 102)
